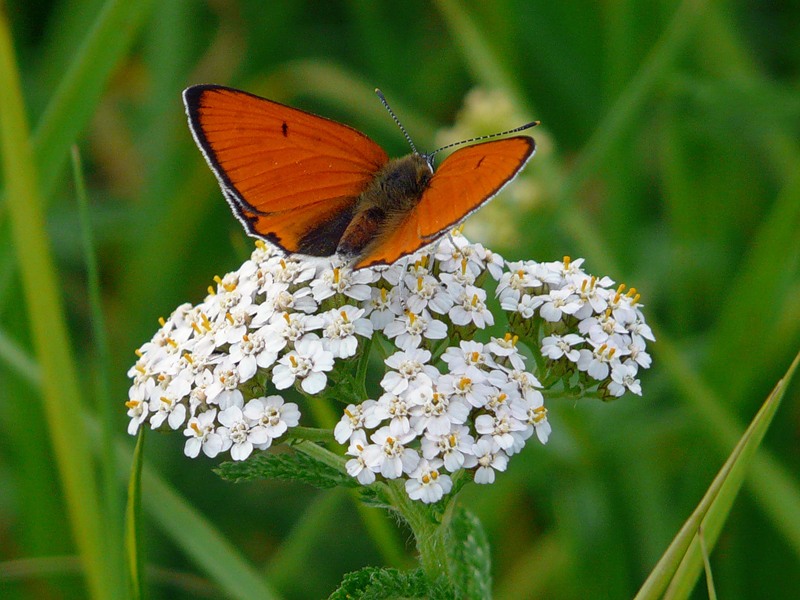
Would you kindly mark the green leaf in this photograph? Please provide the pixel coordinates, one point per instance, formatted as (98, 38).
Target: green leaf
(682, 562)
(61, 392)
(375, 496)
(374, 583)
(470, 556)
(290, 466)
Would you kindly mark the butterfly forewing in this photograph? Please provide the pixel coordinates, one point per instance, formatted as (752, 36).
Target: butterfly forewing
(271, 158)
(467, 179)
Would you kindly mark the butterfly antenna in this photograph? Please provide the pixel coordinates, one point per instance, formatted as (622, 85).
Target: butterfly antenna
(484, 137)
(396, 120)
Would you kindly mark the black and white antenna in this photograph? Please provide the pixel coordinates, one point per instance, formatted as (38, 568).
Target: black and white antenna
(429, 156)
(396, 120)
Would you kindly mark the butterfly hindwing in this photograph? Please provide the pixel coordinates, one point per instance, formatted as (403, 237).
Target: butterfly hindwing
(314, 229)
(466, 180)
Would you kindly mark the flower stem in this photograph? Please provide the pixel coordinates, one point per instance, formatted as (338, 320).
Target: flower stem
(430, 532)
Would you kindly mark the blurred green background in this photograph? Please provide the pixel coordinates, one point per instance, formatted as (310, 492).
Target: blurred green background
(670, 159)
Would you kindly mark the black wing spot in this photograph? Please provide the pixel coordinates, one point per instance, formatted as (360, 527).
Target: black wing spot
(285, 129)
(480, 161)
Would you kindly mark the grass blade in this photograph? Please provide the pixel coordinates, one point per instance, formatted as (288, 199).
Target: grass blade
(682, 561)
(133, 519)
(112, 498)
(76, 98)
(60, 391)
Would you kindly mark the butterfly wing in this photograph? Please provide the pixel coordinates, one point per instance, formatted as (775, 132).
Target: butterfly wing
(467, 179)
(288, 175)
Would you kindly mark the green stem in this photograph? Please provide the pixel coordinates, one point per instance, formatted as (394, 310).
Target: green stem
(361, 372)
(321, 454)
(430, 534)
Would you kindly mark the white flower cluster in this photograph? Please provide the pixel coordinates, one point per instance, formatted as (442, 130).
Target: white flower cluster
(278, 322)
(427, 424)
(584, 323)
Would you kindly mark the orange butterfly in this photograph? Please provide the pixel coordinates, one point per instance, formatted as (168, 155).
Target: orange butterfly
(313, 186)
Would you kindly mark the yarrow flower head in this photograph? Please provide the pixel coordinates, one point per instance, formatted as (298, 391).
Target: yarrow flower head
(452, 403)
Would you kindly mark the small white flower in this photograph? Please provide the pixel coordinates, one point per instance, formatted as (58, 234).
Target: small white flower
(167, 408)
(242, 435)
(515, 282)
(397, 410)
(308, 362)
(426, 483)
(232, 325)
(492, 261)
(427, 293)
(640, 330)
(290, 270)
(596, 361)
(389, 456)
(409, 329)
(283, 300)
(623, 377)
(490, 459)
(601, 327)
(340, 329)
(202, 433)
(468, 354)
(469, 386)
(555, 346)
(592, 294)
(505, 349)
(500, 427)
(460, 277)
(562, 270)
(526, 305)
(456, 448)
(138, 411)
(434, 412)
(357, 467)
(251, 352)
(513, 382)
(271, 414)
(557, 304)
(338, 280)
(384, 306)
(224, 389)
(410, 369)
(289, 327)
(470, 307)
(637, 354)
(355, 418)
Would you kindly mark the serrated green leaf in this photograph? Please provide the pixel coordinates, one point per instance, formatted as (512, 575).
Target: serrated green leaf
(289, 466)
(376, 583)
(470, 556)
(375, 496)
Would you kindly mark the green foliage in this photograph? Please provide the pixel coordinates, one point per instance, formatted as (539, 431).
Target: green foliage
(287, 466)
(372, 583)
(470, 556)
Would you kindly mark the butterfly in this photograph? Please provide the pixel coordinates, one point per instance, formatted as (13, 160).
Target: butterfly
(313, 186)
